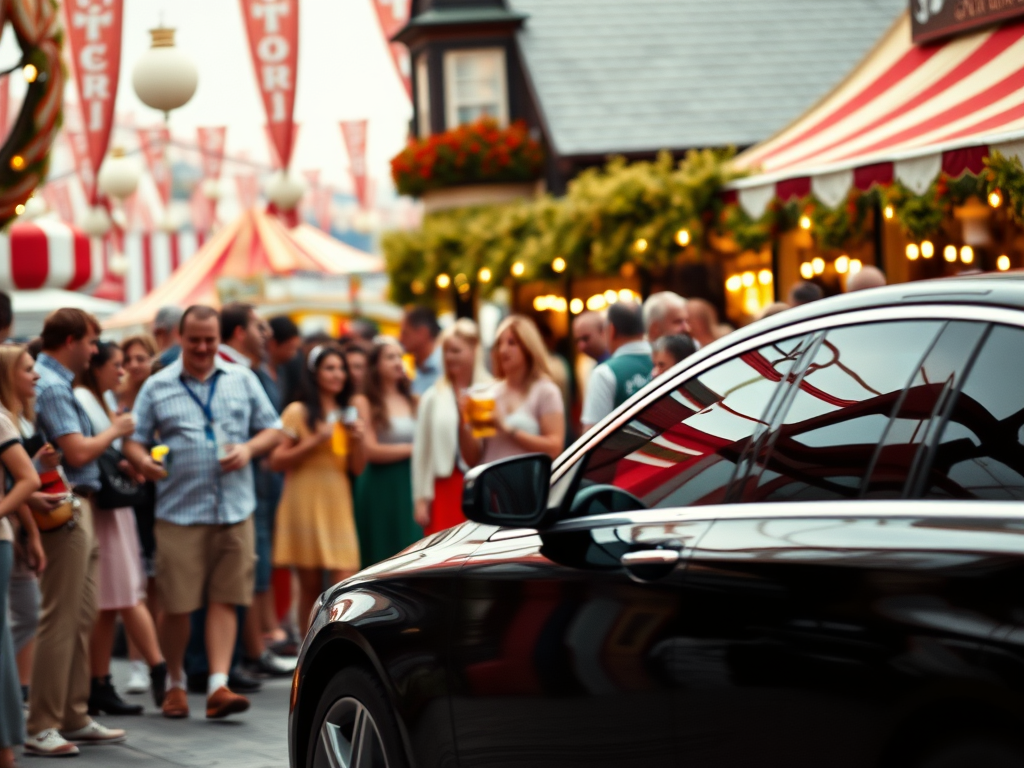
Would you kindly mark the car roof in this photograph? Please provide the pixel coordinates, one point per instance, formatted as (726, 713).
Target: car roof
(1000, 289)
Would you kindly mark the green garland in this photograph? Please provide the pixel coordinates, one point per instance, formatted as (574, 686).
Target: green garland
(1005, 175)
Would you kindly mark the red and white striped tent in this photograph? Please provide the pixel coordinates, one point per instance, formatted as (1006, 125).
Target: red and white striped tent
(256, 245)
(49, 254)
(905, 113)
(153, 257)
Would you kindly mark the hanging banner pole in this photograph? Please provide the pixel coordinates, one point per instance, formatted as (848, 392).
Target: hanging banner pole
(273, 31)
(94, 38)
(354, 134)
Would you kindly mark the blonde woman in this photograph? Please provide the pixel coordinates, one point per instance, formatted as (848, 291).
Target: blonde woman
(436, 470)
(529, 410)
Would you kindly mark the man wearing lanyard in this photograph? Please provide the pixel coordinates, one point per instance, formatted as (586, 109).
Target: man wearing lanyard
(214, 418)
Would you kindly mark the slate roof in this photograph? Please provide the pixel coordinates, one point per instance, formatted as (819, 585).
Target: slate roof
(642, 75)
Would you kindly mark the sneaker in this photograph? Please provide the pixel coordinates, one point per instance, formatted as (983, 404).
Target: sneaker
(94, 733)
(223, 702)
(269, 663)
(138, 678)
(49, 743)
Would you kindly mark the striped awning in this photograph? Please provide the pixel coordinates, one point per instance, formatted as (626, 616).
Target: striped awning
(905, 113)
(48, 254)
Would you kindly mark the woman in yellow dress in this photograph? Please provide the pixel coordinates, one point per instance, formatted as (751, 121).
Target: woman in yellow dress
(316, 529)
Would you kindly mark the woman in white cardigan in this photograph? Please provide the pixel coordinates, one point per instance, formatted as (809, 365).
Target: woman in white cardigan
(436, 467)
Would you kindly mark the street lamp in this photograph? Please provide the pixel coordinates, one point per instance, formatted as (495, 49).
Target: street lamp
(164, 78)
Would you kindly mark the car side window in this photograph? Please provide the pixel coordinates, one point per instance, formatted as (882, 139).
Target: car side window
(980, 453)
(683, 449)
(839, 411)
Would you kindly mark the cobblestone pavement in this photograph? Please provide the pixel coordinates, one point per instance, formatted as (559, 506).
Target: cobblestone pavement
(255, 739)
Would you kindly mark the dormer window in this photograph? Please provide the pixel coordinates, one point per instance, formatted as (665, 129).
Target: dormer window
(475, 86)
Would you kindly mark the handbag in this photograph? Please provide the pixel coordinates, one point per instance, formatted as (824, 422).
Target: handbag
(116, 488)
(66, 514)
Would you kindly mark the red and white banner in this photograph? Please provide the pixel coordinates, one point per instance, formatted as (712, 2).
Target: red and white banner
(273, 30)
(354, 133)
(137, 213)
(211, 148)
(48, 254)
(202, 210)
(58, 199)
(275, 157)
(248, 190)
(94, 39)
(322, 200)
(392, 15)
(153, 257)
(153, 143)
(78, 143)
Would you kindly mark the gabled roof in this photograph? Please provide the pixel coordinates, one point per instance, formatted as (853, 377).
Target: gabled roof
(643, 75)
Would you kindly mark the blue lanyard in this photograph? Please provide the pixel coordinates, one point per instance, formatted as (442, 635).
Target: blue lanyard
(207, 411)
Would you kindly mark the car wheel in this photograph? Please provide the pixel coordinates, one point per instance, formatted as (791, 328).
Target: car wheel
(354, 726)
(970, 751)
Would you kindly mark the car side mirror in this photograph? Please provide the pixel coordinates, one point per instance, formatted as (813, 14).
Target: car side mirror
(509, 492)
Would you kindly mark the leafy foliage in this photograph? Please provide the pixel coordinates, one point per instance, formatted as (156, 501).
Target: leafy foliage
(1006, 176)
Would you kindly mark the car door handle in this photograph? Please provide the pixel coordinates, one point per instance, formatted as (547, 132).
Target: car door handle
(650, 557)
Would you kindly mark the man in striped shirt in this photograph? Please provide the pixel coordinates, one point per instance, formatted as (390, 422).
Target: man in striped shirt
(214, 417)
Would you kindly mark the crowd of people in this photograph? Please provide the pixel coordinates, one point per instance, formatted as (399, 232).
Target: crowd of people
(185, 483)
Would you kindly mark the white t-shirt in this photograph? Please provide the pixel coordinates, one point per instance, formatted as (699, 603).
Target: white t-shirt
(8, 436)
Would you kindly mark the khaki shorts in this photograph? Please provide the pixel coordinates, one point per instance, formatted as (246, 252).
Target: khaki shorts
(201, 564)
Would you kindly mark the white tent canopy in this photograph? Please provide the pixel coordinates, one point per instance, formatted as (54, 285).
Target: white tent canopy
(32, 307)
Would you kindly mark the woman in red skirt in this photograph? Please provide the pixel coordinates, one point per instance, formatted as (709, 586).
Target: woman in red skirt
(436, 467)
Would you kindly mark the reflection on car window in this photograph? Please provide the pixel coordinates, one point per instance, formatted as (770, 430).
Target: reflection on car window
(683, 449)
(980, 453)
(840, 411)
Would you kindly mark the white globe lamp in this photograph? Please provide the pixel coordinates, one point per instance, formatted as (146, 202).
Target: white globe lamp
(96, 222)
(35, 207)
(164, 78)
(285, 191)
(118, 265)
(119, 175)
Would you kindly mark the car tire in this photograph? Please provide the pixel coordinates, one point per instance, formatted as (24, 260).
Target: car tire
(973, 750)
(355, 699)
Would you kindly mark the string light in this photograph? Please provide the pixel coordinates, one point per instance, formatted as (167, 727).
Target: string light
(805, 222)
(443, 281)
(889, 212)
(460, 280)
(806, 270)
(626, 295)
(17, 162)
(913, 251)
(748, 279)
(484, 275)
(843, 264)
(418, 287)
(995, 199)
(1003, 263)
(641, 244)
(967, 254)
(610, 296)
(855, 266)
(949, 253)
(30, 73)
(518, 269)
(19, 209)
(818, 265)
(683, 237)
(734, 283)
(576, 306)
(764, 277)
(596, 303)
(558, 265)
(927, 249)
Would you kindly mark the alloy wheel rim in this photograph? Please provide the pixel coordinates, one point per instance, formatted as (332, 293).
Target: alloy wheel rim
(349, 738)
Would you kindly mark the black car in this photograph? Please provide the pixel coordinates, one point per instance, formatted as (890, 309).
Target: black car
(804, 546)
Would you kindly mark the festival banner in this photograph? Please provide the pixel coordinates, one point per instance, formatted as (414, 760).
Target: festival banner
(392, 16)
(323, 198)
(58, 199)
(94, 39)
(202, 210)
(211, 149)
(137, 213)
(248, 190)
(78, 143)
(273, 31)
(275, 158)
(354, 133)
(153, 143)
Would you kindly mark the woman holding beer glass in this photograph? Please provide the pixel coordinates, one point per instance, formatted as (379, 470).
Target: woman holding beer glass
(315, 529)
(384, 514)
(523, 411)
(436, 470)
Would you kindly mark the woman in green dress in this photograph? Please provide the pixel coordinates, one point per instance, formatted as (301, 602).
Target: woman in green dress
(383, 493)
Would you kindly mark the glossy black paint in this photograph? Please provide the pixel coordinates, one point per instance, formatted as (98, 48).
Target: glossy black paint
(838, 631)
